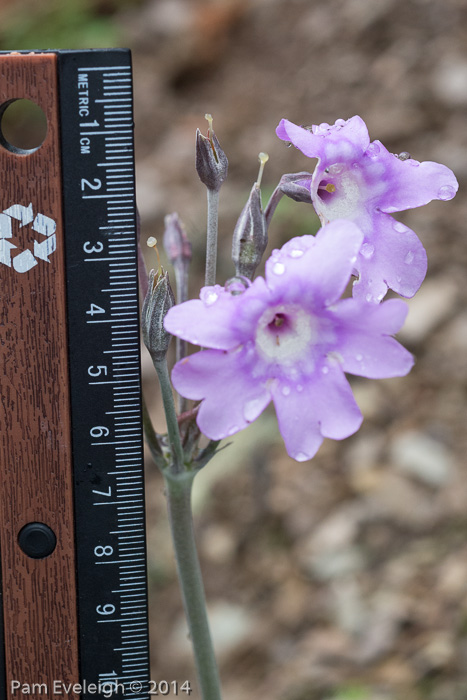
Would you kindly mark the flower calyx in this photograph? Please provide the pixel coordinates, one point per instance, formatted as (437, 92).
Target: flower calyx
(211, 161)
(159, 299)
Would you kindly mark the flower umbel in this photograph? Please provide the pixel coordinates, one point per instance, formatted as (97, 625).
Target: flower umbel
(361, 181)
(290, 339)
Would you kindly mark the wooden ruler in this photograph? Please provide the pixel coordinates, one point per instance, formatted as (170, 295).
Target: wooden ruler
(72, 536)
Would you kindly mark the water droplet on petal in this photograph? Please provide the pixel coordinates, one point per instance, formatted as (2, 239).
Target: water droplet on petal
(340, 122)
(405, 155)
(233, 429)
(252, 409)
(399, 227)
(359, 357)
(367, 250)
(278, 268)
(373, 150)
(285, 390)
(209, 297)
(301, 457)
(237, 285)
(369, 297)
(446, 192)
(336, 168)
(409, 258)
(325, 369)
(296, 253)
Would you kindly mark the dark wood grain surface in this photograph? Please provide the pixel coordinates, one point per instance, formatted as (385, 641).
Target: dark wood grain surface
(39, 595)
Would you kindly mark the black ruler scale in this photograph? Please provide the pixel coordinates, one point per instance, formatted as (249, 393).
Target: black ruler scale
(103, 329)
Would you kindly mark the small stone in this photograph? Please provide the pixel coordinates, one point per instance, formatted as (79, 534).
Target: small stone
(422, 457)
(432, 304)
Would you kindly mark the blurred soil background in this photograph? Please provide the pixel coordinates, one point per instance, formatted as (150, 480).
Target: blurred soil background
(344, 578)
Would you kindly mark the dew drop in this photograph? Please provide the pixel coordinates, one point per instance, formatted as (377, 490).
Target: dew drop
(409, 258)
(209, 297)
(237, 285)
(336, 168)
(373, 149)
(405, 155)
(325, 369)
(359, 357)
(367, 250)
(285, 390)
(399, 227)
(278, 268)
(446, 192)
(340, 122)
(369, 297)
(252, 409)
(296, 253)
(301, 457)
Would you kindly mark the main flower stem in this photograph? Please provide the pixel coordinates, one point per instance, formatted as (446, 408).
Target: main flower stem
(170, 415)
(178, 488)
(211, 243)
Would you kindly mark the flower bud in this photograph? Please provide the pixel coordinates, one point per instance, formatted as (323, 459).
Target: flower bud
(211, 161)
(250, 236)
(297, 186)
(176, 243)
(159, 299)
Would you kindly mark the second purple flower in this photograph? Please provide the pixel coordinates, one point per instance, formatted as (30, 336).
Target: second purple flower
(361, 181)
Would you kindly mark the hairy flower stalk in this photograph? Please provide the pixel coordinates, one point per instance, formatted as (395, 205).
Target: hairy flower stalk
(176, 468)
(211, 166)
(294, 185)
(364, 183)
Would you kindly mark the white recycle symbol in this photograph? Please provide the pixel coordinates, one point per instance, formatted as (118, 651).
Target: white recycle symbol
(44, 225)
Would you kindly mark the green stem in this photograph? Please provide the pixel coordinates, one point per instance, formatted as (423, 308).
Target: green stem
(211, 243)
(178, 488)
(170, 415)
(272, 204)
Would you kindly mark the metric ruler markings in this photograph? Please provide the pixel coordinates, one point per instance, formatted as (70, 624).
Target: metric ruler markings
(105, 375)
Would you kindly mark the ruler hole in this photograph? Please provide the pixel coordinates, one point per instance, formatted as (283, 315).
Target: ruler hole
(23, 126)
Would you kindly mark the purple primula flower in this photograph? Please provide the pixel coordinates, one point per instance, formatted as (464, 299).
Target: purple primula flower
(361, 181)
(289, 338)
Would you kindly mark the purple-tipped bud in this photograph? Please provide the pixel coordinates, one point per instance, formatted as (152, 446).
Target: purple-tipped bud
(211, 161)
(297, 186)
(159, 299)
(250, 236)
(176, 243)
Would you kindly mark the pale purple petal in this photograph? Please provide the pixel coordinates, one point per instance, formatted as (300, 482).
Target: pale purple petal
(346, 139)
(365, 343)
(232, 397)
(315, 279)
(393, 257)
(411, 184)
(207, 321)
(321, 406)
